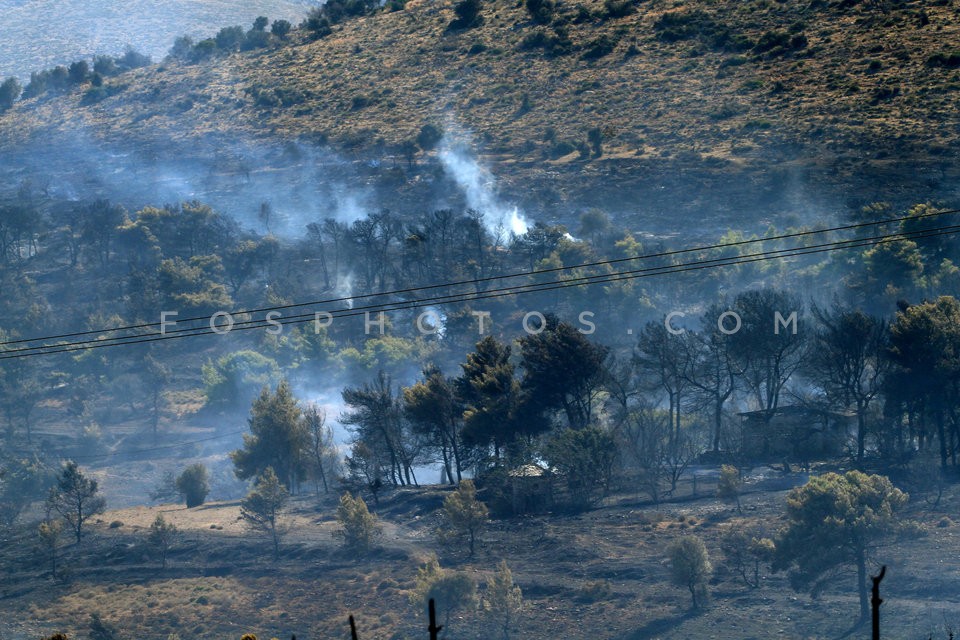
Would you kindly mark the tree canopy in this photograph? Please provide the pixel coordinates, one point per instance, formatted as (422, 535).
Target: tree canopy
(278, 439)
(835, 521)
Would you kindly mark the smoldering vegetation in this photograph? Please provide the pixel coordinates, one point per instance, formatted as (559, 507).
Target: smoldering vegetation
(614, 447)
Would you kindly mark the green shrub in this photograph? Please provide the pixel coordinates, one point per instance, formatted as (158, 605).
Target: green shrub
(541, 11)
(194, 485)
(944, 60)
(600, 47)
(10, 91)
(359, 528)
(770, 40)
(468, 15)
(618, 8)
(280, 28)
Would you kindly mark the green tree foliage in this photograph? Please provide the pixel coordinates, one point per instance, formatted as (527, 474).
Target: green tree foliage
(317, 23)
(278, 439)
(161, 537)
(193, 484)
(562, 371)
(79, 71)
(894, 269)
(491, 393)
(729, 485)
(280, 28)
(585, 460)
(464, 514)
(429, 137)
(848, 360)
(193, 286)
(21, 390)
(75, 497)
(468, 14)
(236, 377)
(358, 527)
(594, 224)
(156, 375)
(435, 412)
(541, 11)
(10, 91)
(837, 520)
(925, 346)
(450, 590)
(262, 509)
(230, 39)
(503, 600)
(690, 567)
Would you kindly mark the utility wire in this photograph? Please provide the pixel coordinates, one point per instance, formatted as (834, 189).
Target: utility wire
(475, 281)
(497, 293)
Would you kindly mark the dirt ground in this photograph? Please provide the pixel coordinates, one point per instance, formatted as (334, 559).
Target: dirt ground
(600, 574)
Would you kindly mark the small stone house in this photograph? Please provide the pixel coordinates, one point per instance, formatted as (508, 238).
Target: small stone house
(795, 433)
(532, 488)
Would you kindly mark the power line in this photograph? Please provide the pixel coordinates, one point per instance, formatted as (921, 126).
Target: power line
(498, 293)
(517, 289)
(475, 281)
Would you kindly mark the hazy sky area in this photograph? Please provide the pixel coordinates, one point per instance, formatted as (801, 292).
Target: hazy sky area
(74, 29)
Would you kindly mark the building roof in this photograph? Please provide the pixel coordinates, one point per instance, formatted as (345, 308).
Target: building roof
(528, 471)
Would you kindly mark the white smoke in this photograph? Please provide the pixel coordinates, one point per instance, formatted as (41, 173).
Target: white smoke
(345, 288)
(479, 187)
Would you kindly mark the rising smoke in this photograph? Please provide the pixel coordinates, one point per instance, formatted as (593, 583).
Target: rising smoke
(479, 187)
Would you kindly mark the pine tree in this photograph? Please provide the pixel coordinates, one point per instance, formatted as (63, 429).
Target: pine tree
(359, 527)
(504, 600)
(464, 514)
(262, 509)
(278, 439)
(161, 537)
(75, 497)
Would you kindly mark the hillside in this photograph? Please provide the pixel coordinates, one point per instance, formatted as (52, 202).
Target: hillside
(778, 105)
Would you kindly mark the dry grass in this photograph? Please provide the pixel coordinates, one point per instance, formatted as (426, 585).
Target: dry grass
(669, 98)
(602, 573)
